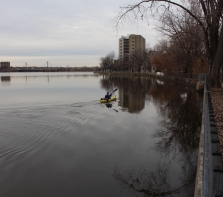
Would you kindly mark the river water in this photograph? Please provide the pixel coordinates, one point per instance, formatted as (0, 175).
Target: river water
(56, 139)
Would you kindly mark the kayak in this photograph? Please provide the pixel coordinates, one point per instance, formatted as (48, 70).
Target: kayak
(103, 100)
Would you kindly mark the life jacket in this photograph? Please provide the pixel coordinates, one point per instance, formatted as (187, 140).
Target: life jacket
(108, 96)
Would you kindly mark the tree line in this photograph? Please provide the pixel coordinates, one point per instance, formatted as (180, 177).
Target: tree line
(192, 32)
(134, 62)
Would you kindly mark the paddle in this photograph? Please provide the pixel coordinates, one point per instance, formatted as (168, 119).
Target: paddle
(114, 91)
(116, 110)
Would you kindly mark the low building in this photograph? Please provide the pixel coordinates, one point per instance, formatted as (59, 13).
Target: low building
(5, 65)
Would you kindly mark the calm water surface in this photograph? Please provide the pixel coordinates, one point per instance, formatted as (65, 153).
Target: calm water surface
(56, 139)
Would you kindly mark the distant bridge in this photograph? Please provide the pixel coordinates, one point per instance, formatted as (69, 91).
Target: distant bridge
(28, 68)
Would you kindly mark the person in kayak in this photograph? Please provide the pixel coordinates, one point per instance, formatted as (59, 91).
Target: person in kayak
(108, 96)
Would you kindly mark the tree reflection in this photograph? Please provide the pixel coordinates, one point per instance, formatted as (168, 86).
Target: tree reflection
(106, 83)
(181, 120)
(178, 135)
(152, 183)
(180, 110)
(180, 129)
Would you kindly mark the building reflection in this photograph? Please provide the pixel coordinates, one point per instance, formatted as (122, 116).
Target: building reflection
(5, 80)
(131, 90)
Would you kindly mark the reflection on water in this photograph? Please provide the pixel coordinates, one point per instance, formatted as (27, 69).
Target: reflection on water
(5, 80)
(57, 139)
(109, 106)
(132, 91)
(181, 123)
(29, 89)
(178, 135)
(152, 183)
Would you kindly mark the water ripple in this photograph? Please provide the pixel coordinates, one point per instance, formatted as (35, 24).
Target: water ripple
(32, 128)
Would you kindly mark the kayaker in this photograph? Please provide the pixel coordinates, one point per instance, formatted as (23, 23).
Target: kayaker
(108, 96)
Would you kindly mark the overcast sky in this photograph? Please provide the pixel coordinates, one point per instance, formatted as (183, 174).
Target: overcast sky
(64, 32)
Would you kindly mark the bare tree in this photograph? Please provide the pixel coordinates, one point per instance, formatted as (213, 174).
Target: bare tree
(209, 19)
(139, 59)
(185, 39)
(107, 62)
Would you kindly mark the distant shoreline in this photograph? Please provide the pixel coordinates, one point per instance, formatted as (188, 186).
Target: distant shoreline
(54, 69)
(172, 79)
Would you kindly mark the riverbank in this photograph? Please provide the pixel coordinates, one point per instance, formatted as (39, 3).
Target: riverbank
(176, 80)
(217, 103)
(209, 177)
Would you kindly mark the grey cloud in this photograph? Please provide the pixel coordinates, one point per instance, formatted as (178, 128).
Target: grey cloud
(61, 27)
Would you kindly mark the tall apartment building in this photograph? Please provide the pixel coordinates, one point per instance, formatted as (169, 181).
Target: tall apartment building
(129, 45)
